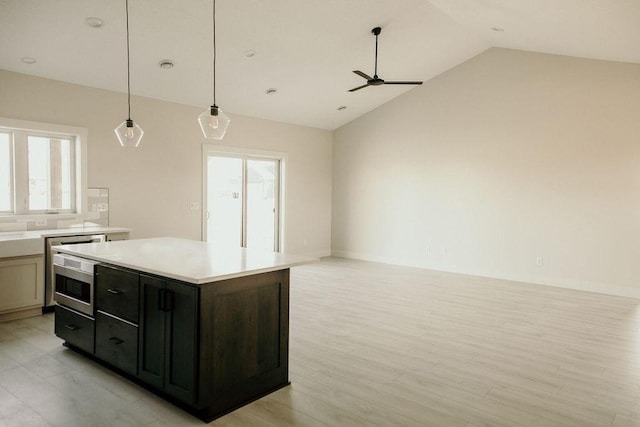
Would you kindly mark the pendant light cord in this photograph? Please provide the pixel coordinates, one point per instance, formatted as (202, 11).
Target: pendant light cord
(128, 71)
(214, 52)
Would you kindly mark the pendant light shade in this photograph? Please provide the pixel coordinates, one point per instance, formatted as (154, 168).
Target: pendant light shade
(129, 133)
(213, 121)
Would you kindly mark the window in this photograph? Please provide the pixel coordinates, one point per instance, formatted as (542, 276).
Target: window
(50, 174)
(40, 171)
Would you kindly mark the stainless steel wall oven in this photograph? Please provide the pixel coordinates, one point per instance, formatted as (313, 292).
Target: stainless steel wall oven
(74, 282)
(49, 275)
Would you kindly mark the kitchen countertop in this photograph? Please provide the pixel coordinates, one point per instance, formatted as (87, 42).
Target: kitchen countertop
(76, 231)
(190, 261)
(24, 243)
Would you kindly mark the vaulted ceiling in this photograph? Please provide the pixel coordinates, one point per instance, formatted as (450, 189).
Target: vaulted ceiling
(306, 49)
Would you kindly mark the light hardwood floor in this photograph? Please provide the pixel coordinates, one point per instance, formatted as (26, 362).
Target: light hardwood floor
(379, 345)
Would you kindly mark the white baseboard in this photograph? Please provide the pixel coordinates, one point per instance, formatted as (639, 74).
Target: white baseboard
(580, 285)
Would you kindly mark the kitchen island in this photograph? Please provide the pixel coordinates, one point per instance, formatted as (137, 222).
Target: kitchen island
(203, 326)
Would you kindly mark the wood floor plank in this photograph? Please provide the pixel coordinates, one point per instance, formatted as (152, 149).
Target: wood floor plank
(379, 345)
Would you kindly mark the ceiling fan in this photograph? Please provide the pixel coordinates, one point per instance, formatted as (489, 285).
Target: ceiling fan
(375, 80)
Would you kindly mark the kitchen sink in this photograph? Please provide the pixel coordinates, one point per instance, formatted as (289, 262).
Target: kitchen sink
(20, 243)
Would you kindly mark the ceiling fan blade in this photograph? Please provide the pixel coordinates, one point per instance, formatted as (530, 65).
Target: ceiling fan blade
(363, 75)
(358, 88)
(402, 83)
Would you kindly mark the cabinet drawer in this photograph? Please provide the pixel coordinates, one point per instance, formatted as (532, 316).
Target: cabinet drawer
(75, 328)
(117, 342)
(117, 292)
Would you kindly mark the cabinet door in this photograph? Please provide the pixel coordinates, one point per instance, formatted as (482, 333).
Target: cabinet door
(152, 331)
(117, 342)
(117, 292)
(75, 328)
(21, 282)
(181, 333)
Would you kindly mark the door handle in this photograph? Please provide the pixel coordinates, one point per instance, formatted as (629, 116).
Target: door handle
(72, 327)
(116, 340)
(114, 291)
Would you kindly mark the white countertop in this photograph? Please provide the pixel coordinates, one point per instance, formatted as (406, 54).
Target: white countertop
(78, 231)
(190, 261)
(23, 243)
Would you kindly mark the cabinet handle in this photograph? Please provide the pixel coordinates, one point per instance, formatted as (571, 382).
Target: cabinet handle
(161, 300)
(72, 327)
(168, 301)
(116, 340)
(114, 291)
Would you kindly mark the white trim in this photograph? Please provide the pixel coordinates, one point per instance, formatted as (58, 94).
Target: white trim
(579, 285)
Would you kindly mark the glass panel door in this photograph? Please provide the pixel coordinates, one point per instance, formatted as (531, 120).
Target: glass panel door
(262, 197)
(243, 202)
(224, 200)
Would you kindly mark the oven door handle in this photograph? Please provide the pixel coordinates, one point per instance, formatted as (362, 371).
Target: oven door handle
(79, 275)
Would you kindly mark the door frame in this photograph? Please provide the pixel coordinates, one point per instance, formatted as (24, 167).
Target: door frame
(222, 150)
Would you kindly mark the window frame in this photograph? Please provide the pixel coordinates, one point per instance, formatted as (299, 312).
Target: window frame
(11, 173)
(19, 165)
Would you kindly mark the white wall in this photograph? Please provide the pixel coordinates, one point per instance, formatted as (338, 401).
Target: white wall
(152, 186)
(507, 158)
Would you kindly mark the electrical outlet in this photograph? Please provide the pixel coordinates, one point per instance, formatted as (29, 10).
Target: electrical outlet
(41, 222)
(194, 206)
(539, 261)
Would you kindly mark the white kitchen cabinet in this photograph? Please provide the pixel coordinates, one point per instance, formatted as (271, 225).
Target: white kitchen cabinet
(21, 286)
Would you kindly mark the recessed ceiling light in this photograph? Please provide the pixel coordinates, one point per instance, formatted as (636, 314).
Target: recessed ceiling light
(497, 29)
(94, 22)
(249, 53)
(271, 91)
(166, 64)
(342, 108)
(28, 60)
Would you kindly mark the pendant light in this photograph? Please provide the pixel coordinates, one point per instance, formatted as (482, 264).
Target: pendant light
(213, 121)
(129, 133)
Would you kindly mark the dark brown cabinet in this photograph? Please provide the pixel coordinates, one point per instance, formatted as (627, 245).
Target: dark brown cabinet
(210, 348)
(117, 292)
(168, 336)
(244, 340)
(117, 307)
(75, 328)
(117, 342)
